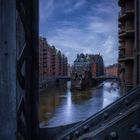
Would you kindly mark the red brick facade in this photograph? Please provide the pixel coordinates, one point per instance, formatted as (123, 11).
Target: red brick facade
(129, 38)
(52, 63)
(94, 69)
(112, 70)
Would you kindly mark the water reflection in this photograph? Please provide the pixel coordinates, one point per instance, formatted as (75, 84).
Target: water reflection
(110, 92)
(60, 106)
(68, 106)
(68, 102)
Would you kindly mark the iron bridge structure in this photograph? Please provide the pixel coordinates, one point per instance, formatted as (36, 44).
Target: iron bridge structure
(19, 86)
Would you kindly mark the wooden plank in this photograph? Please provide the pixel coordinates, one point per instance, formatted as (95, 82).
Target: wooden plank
(8, 124)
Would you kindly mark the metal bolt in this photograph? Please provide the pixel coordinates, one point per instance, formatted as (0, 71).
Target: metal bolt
(76, 133)
(68, 138)
(6, 54)
(5, 42)
(113, 135)
(127, 103)
(120, 113)
(86, 128)
(105, 115)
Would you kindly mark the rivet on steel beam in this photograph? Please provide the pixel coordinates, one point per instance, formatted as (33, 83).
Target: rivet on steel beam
(127, 103)
(105, 115)
(86, 128)
(77, 134)
(68, 138)
(6, 54)
(5, 42)
(113, 135)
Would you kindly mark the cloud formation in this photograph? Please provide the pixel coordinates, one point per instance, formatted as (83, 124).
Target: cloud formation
(81, 26)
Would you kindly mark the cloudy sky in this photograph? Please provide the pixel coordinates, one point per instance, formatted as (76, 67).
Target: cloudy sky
(81, 26)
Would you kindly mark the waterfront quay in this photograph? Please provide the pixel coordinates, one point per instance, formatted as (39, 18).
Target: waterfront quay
(60, 106)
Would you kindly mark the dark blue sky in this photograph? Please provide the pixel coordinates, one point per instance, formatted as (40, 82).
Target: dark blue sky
(81, 26)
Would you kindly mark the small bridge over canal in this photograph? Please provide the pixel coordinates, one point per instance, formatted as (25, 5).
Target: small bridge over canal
(98, 78)
(68, 78)
(105, 77)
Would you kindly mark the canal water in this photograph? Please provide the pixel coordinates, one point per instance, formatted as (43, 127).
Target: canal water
(61, 106)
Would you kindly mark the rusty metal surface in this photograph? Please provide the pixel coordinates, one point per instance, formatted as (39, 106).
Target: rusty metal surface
(27, 68)
(19, 69)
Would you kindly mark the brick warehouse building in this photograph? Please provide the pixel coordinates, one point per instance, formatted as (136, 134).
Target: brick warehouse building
(129, 37)
(52, 63)
(89, 62)
(111, 70)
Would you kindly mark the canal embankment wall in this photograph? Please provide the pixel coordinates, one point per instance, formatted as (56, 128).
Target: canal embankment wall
(51, 83)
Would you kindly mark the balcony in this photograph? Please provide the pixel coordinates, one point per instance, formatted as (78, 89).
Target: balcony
(122, 47)
(44, 66)
(121, 55)
(126, 34)
(126, 14)
(119, 25)
(45, 50)
(129, 83)
(121, 31)
(122, 17)
(122, 2)
(125, 58)
(121, 40)
(122, 59)
(130, 12)
(122, 66)
(44, 56)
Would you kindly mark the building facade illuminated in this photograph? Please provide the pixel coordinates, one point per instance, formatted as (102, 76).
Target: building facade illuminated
(129, 37)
